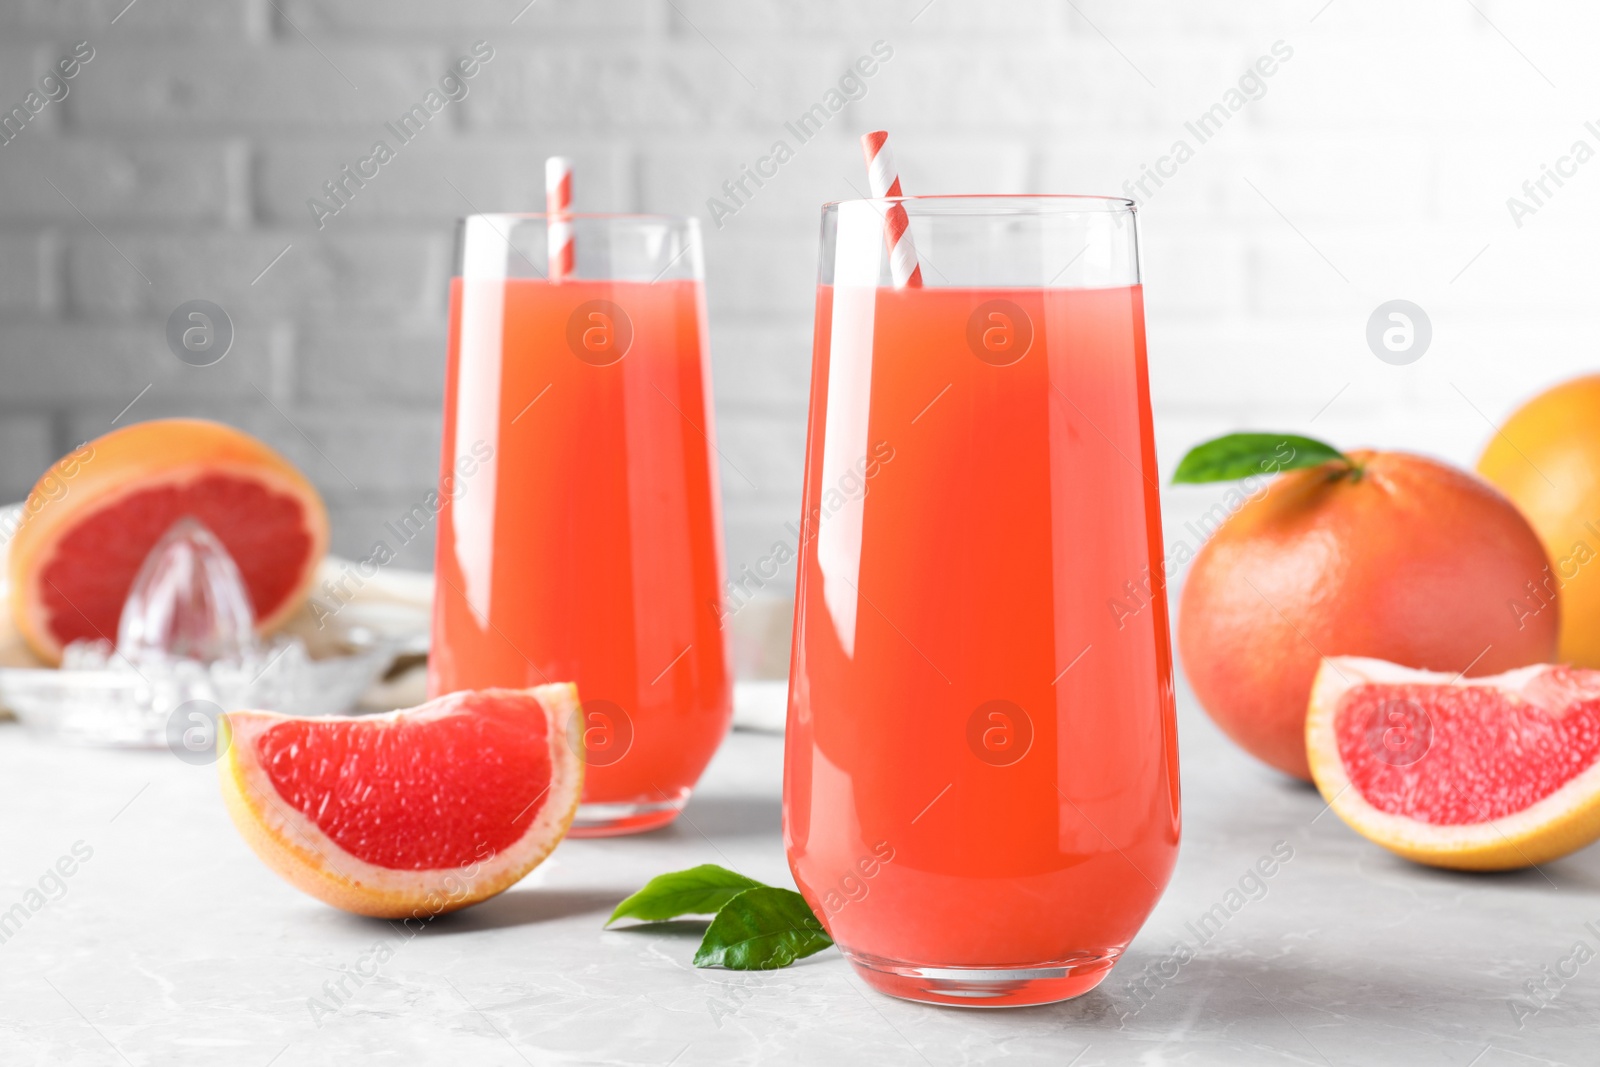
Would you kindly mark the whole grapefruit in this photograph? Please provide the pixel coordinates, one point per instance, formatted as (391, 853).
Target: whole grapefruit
(1379, 554)
(1546, 458)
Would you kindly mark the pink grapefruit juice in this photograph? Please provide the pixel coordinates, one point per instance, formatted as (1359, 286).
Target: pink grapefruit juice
(581, 542)
(981, 764)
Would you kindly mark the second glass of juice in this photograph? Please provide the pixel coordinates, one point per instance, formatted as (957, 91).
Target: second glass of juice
(579, 525)
(981, 776)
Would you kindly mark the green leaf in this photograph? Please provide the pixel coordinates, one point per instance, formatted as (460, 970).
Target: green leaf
(757, 927)
(1240, 455)
(762, 929)
(701, 890)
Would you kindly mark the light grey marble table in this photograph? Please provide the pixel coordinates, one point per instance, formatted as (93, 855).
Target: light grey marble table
(172, 944)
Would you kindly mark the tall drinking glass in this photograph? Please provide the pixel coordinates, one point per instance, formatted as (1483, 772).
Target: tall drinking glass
(579, 527)
(981, 780)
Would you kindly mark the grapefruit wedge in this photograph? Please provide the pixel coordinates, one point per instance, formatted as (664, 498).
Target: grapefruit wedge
(1483, 774)
(410, 814)
(96, 513)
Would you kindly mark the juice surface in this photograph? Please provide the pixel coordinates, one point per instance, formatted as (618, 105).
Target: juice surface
(581, 541)
(981, 764)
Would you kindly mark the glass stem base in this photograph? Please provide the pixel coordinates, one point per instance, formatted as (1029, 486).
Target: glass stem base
(982, 987)
(605, 819)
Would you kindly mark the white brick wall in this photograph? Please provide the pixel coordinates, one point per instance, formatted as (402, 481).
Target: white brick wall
(1389, 144)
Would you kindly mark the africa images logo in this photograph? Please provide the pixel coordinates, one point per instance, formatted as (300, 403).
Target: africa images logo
(343, 187)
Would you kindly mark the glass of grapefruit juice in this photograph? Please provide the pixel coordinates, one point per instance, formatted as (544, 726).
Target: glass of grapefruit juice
(579, 526)
(981, 771)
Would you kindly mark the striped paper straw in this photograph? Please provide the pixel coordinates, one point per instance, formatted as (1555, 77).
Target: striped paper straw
(558, 205)
(884, 180)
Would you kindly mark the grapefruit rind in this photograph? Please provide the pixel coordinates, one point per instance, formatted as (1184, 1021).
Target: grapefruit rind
(304, 855)
(136, 459)
(1556, 825)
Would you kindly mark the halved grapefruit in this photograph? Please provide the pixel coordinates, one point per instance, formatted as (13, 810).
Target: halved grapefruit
(1472, 773)
(91, 520)
(410, 814)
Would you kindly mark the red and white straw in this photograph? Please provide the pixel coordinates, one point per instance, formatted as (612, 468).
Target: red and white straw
(558, 205)
(884, 180)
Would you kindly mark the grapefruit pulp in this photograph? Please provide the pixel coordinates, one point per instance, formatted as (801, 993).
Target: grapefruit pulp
(410, 814)
(96, 513)
(1472, 773)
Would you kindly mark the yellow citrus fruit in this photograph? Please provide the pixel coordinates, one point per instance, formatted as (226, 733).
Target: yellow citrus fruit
(1546, 458)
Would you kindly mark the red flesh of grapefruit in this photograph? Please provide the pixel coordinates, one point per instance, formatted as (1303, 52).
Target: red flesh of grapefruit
(91, 520)
(410, 814)
(1474, 773)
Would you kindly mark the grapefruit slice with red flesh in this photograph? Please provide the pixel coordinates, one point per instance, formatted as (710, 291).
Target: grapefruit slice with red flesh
(91, 520)
(410, 814)
(1486, 773)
